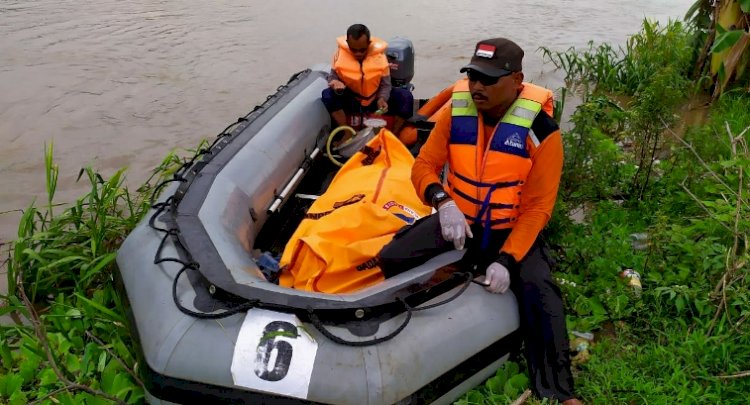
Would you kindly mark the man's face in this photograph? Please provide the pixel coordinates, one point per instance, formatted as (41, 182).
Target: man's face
(497, 97)
(358, 46)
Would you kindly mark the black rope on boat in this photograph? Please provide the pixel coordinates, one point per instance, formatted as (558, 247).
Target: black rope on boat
(180, 172)
(296, 75)
(409, 312)
(169, 204)
(320, 327)
(160, 208)
(469, 278)
(239, 120)
(206, 315)
(161, 185)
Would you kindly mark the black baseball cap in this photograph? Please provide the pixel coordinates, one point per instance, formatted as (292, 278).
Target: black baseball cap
(495, 57)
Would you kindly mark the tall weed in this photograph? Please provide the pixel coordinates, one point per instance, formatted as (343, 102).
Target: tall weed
(60, 280)
(628, 70)
(649, 77)
(685, 336)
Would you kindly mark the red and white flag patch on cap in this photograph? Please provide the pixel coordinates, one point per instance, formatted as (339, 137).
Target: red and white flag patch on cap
(485, 50)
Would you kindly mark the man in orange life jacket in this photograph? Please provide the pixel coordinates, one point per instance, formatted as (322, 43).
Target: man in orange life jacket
(504, 153)
(360, 80)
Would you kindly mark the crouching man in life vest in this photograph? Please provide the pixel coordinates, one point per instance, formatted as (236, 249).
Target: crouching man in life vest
(360, 81)
(504, 153)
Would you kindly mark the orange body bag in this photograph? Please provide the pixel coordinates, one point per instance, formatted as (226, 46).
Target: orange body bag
(368, 201)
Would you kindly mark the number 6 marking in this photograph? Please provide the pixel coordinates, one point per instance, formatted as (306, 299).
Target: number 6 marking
(270, 341)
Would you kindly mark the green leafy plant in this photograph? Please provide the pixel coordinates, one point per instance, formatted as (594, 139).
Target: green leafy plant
(628, 70)
(60, 276)
(508, 383)
(682, 337)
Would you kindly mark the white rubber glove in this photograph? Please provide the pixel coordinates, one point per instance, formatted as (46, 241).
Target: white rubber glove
(497, 278)
(453, 224)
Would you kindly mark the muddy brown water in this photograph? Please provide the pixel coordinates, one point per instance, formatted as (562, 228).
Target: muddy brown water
(121, 83)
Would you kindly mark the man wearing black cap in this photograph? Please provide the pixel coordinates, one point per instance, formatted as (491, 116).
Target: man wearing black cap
(504, 152)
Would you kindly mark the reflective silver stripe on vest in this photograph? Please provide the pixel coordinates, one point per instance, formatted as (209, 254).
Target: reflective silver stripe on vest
(458, 103)
(524, 113)
(533, 137)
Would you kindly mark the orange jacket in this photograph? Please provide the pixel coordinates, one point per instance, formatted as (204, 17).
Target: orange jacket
(361, 78)
(478, 163)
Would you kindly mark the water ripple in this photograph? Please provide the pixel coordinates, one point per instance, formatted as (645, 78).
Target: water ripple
(116, 83)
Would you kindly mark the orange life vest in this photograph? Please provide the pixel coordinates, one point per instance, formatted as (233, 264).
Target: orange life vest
(437, 103)
(363, 79)
(486, 182)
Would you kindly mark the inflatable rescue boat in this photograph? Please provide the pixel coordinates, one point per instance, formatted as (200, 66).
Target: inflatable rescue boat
(213, 327)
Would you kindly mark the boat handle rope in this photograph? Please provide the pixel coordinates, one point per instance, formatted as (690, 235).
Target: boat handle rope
(244, 307)
(321, 328)
(182, 170)
(409, 312)
(190, 264)
(179, 174)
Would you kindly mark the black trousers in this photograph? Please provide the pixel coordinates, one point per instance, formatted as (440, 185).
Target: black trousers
(546, 345)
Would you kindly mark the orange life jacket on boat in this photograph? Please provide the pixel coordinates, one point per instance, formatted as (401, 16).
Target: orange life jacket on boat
(486, 182)
(408, 134)
(334, 248)
(363, 79)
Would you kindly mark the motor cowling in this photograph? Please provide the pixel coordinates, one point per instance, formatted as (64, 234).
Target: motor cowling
(400, 53)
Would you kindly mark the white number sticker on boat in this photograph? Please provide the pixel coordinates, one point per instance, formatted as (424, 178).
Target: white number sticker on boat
(274, 354)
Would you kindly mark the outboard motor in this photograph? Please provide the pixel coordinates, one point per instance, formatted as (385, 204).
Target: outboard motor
(400, 53)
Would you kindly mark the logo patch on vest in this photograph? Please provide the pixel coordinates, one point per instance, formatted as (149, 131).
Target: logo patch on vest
(485, 50)
(514, 141)
(510, 138)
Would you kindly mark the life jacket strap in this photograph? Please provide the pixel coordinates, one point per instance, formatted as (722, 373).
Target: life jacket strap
(474, 183)
(473, 200)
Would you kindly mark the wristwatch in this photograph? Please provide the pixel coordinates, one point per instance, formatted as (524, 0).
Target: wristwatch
(439, 197)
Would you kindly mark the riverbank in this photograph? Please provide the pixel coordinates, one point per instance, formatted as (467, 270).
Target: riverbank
(678, 218)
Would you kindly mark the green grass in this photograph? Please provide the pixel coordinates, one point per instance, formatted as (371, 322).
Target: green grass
(673, 366)
(75, 346)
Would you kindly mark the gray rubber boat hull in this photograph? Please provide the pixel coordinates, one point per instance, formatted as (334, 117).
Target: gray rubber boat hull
(264, 355)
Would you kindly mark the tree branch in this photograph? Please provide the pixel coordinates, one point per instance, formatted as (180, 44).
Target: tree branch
(41, 334)
(119, 360)
(700, 204)
(701, 161)
(735, 375)
(722, 283)
(733, 143)
(522, 399)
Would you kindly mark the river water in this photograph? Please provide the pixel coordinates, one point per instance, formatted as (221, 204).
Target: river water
(121, 83)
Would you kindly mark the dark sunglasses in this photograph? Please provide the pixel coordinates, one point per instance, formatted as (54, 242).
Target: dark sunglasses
(475, 76)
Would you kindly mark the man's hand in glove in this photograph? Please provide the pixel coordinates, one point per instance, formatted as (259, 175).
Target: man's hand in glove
(453, 224)
(497, 278)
